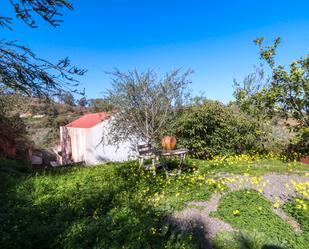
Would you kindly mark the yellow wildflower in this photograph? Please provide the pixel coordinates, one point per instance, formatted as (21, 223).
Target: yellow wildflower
(236, 212)
(276, 205)
(152, 231)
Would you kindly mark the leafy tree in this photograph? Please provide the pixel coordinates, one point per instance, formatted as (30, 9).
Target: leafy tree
(21, 70)
(286, 92)
(288, 89)
(300, 142)
(251, 95)
(145, 103)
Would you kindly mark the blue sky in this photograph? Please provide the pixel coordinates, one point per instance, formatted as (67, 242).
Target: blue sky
(214, 38)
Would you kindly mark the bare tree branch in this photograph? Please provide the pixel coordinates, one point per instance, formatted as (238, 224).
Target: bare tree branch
(48, 10)
(145, 103)
(22, 71)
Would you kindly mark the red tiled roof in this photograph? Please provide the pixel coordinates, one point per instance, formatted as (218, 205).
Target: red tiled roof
(89, 120)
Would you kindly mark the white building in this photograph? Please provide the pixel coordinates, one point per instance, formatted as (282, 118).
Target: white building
(82, 141)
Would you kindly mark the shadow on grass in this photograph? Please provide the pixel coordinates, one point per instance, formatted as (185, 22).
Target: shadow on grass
(11, 172)
(198, 230)
(36, 214)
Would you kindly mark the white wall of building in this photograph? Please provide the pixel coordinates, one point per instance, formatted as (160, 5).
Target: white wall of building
(88, 146)
(72, 144)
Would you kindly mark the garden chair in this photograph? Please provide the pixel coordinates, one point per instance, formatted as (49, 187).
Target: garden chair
(147, 152)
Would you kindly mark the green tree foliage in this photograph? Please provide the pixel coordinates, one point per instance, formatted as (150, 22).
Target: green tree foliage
(300, 143)
(289, 89)
(145, 103)
(211, 128)
(285, 93)
(251, 95)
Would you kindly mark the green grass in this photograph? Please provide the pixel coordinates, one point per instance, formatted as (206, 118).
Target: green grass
(258, 167)
(108, 206)
(12, 171)
(296, 209)
(121, 205)
(254, 214)
(243, 240)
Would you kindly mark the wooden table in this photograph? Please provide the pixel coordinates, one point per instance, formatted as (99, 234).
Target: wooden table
(181, 153)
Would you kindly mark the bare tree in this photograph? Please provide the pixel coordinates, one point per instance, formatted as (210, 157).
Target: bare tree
(144, 103)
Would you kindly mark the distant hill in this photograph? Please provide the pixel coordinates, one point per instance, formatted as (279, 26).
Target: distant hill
(43, 118)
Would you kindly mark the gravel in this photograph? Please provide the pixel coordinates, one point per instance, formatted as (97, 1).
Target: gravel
(196, 218)
(275, 185)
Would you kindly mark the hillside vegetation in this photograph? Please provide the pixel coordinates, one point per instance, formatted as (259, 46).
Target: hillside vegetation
(42, 118)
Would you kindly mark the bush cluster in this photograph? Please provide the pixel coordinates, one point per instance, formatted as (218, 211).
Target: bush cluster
(212, 128)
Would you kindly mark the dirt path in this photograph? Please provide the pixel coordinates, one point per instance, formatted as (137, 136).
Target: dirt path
(275, 187)
(196, 217)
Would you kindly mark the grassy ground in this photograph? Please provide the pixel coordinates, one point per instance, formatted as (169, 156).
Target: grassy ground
(254, 167)
(249, 211)
(124, 206)
(110, 206)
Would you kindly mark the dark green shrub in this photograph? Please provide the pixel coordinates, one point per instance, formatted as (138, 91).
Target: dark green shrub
(300, 143)
(212, 128)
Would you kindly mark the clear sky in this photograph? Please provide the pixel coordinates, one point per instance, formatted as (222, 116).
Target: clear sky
(214, 38)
